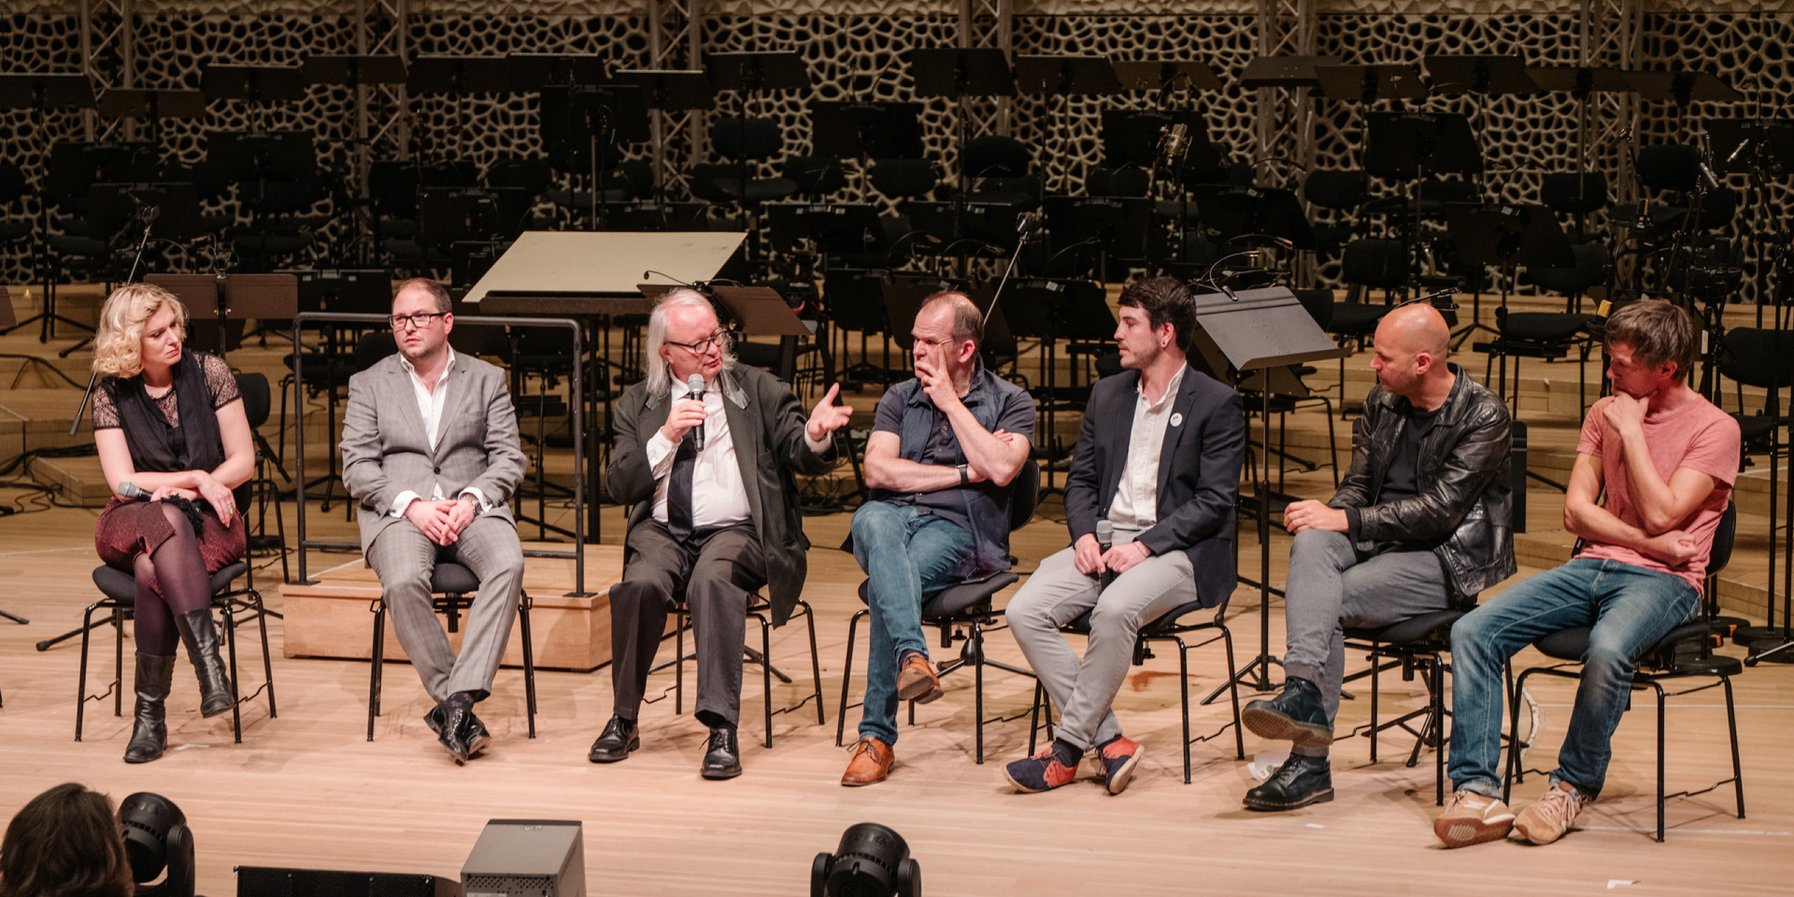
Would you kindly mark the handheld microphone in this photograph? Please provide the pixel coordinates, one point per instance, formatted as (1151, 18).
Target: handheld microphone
(1105, 540)
(695, 383)
(133, 491)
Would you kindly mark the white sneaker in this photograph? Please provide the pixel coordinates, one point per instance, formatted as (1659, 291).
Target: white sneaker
(1471, 818)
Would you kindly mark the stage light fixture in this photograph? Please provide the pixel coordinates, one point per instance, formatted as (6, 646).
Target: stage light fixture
(157, 839)
(872, 861)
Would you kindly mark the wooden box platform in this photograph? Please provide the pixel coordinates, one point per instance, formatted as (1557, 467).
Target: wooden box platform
(334, 617)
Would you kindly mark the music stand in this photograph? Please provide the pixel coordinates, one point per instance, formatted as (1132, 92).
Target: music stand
(757, 71)
(1166, 75)
(957, 73)
(1682, 88)
(849, 130)
(459, 75)
(761, 311)
(1480, 74)
(530, 72)
(353, 70)
(1370, 83)
(40, 93)
(253, 83)
(152, 105)
(669, 90)
(1260, 330)
(1065, 76)
(1284, 71)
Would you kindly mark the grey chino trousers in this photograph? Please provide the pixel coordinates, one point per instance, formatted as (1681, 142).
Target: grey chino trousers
(1084, 688)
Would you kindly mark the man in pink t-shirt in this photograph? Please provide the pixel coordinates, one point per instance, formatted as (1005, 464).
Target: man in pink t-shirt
(1665, 458)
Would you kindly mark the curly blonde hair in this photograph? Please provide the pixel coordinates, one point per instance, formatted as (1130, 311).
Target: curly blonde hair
(118, 345)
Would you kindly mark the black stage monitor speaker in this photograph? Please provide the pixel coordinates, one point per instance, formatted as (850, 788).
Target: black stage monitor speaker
(527, 858)
(263, 881)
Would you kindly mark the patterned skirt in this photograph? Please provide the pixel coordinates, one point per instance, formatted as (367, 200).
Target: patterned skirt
(127, 529)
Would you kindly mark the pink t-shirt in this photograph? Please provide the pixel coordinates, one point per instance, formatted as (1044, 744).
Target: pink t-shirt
(1698, 436)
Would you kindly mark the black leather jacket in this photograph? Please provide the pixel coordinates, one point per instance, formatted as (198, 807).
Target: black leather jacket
(1464, 512)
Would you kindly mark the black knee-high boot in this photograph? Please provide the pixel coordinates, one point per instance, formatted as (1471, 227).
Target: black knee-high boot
(201, 638)
(149, 731)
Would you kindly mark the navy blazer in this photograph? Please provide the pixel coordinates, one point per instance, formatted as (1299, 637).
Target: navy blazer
(1199, 473)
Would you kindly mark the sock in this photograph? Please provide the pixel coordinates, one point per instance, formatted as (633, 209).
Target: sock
(1067, 753)
(461, 700)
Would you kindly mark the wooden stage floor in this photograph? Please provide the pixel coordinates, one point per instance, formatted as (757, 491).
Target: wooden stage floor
(308, 790)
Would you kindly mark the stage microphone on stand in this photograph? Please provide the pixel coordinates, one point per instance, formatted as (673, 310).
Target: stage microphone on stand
(1105, 540)
(1739, 151)
(695, 383)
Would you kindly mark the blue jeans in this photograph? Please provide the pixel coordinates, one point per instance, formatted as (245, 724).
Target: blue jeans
(1627, 607)
(907, 555)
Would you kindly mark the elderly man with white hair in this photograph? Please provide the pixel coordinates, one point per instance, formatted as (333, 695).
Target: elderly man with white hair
(707, 451)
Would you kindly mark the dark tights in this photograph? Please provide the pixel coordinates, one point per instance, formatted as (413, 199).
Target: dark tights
(171, 581)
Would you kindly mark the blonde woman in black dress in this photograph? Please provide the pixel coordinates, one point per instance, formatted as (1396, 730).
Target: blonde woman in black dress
(171, 424)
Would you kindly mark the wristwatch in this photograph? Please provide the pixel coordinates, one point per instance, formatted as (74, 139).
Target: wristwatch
(470, 499)
(965, 476)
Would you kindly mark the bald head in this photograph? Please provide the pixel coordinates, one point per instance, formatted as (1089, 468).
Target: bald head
(1412, 344)
(1415, 329)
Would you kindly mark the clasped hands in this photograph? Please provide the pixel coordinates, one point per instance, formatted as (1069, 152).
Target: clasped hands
(441, 521)
(1091, 560)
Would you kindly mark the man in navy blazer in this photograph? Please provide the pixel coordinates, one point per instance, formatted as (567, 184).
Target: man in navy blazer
(1158, 461)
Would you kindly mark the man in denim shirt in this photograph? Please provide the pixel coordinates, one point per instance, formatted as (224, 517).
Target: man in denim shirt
(943, 451)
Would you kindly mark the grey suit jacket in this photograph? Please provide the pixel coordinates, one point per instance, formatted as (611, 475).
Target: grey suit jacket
(767, 424)
(1199, 472)
(386, 452)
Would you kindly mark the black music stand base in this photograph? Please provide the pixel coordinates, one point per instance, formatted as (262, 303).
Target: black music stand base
(15, 618)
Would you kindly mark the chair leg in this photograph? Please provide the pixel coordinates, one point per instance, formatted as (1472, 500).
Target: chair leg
(1731, 722)
(853, 626)
(766, 672)
(1233, 689)
(379, 653)
(1660, 728)
(81, 680)
(679, 666)
(529, 663)
(815, 659)
(1513, 739)
(118, 662)
(1376, 676)
(1183, 693)
(1034, 717)
(977, 637)
(236, 688)
(261, 619)
(1438, 701)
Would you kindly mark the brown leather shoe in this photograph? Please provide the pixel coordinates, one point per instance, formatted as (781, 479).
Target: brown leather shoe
(917, 680)
(870, 765)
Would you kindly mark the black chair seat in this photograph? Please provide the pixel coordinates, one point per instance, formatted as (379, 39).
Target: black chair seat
(453, 579)
(1545, 327)
(1572, 644)
(73, 245)
(121, 586)
(1355, 318)
(1755, 428)
(955, 600)
(1433, 627)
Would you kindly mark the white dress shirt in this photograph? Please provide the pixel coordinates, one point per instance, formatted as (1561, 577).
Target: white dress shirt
(430, 403)
(718, 496)
(1136, 503)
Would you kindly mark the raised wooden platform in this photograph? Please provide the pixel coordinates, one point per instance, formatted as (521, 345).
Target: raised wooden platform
(333, 615)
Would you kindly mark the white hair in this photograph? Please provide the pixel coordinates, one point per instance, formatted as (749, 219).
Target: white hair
(660, 381)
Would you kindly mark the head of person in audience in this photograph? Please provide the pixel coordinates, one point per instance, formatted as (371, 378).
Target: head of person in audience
(1156, 317)
(65, 843)
(947, 334)
(1412, 347)
(421, 320)
(685, 338)
(141, 326)
(1651, 346)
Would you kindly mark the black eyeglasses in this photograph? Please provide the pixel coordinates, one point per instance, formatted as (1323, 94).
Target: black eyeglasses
(703, 346)
(420, 320)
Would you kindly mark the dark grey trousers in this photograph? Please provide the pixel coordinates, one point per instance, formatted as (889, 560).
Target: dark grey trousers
(1333, 587)
(719, 569)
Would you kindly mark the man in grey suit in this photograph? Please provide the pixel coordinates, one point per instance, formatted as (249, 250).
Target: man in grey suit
(706, 451)
(431, 454)
(1159, 461)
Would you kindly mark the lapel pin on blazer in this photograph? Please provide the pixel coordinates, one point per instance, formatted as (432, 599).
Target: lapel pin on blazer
(1177, 419)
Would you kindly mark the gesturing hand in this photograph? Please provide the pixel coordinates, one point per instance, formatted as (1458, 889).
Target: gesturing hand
(827, 417)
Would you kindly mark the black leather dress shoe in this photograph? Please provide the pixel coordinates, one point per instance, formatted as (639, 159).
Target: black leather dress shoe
(455, 729)
(722, 757)
(616, 741)
(477, 733)
(1300, 781)
(1295, 715)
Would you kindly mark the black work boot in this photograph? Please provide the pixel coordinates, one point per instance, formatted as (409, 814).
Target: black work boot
(201, 638)
(1294, 715)
(149, 729)
(1300, 781)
